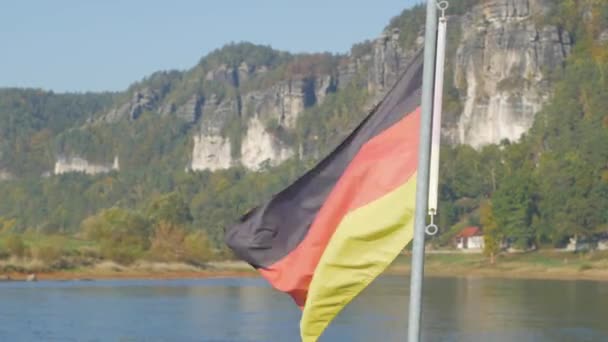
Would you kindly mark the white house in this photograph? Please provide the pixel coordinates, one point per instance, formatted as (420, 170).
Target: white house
(470, 238)
(576, 245)
(602, 243)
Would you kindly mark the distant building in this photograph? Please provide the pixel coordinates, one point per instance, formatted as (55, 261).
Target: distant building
(602, 243)
(470, 238)
(576, 244)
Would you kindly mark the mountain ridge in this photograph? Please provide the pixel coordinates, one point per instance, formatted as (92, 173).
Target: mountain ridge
(244, 85)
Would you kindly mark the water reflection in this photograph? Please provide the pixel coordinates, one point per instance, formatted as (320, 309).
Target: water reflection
(472, 309)
(455, 309)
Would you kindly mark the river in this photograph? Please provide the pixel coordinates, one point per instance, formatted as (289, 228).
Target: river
(455, 309)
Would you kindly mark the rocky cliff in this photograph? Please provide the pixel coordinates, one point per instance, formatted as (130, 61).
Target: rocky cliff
(501, 67)
(77, 164)
(142, 100)
(234, 108)
(256, 112)
(503, 54)
(280, 105)
(5, 175)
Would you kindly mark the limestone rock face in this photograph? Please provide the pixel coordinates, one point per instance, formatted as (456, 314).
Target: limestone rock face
(259, 147)
(388, 61)
(190, 111)
(211, 152)
(5, 175)
(603, 38)
(77, 164)
(347, 71)
(500, 67)
(255, 113)
(223, 74)
(142, 100)
(282, 102)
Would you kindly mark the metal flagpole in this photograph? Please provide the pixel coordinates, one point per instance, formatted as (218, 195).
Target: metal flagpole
(422, 181)
(437, 109)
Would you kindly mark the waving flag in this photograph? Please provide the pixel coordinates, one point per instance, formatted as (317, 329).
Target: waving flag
(324, 238)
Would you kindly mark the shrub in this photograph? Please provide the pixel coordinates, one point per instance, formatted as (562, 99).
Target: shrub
(167, 242)
(89, 252)
(123, 254)
(50, 251)
(15, 246)
(47, 253)
(122, 234)
(585, 267)
(197, 248)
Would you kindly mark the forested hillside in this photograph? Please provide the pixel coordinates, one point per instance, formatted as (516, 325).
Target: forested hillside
(550, 185)
(31, 119)
(553, 184)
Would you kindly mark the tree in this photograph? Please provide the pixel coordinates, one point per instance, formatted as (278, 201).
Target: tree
(491, 233)
(170, 208)
(513, 207)
(198, 248)
(123, 234)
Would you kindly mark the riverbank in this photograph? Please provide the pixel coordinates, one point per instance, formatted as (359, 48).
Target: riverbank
(141, 270)
(535, 265)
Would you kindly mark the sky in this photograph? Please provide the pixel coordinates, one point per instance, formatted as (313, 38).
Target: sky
(105, 45)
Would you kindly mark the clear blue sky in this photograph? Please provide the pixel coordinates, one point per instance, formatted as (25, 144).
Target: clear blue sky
(82, 45)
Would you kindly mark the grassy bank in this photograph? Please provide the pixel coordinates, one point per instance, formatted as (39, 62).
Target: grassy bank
(71, 257)
(68, 257)
(533, 265)
(138, 270)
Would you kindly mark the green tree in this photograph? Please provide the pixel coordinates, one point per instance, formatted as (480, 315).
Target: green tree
(491, 233)
(198, 248)
(513, 208)
(123, 235)
(170, 208)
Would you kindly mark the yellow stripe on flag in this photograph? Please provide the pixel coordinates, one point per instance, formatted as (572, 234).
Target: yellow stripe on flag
(367, 240)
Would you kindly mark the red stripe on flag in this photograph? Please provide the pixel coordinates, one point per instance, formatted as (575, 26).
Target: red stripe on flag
(384, 163)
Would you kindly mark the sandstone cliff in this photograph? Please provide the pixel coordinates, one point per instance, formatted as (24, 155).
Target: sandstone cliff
(77, 164)
(501, 56)
(501, 67)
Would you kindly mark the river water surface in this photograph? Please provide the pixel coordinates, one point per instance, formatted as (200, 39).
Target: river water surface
(455, 309)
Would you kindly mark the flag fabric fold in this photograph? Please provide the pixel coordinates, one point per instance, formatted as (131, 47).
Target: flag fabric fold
(324, 238)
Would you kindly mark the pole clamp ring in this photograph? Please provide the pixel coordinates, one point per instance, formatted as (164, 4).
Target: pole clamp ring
(432, 229)
(443, 6)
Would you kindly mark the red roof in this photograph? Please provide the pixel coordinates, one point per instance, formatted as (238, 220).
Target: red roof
(469, 231)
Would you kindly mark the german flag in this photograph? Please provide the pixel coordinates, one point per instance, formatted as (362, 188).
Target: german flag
(324, 238)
